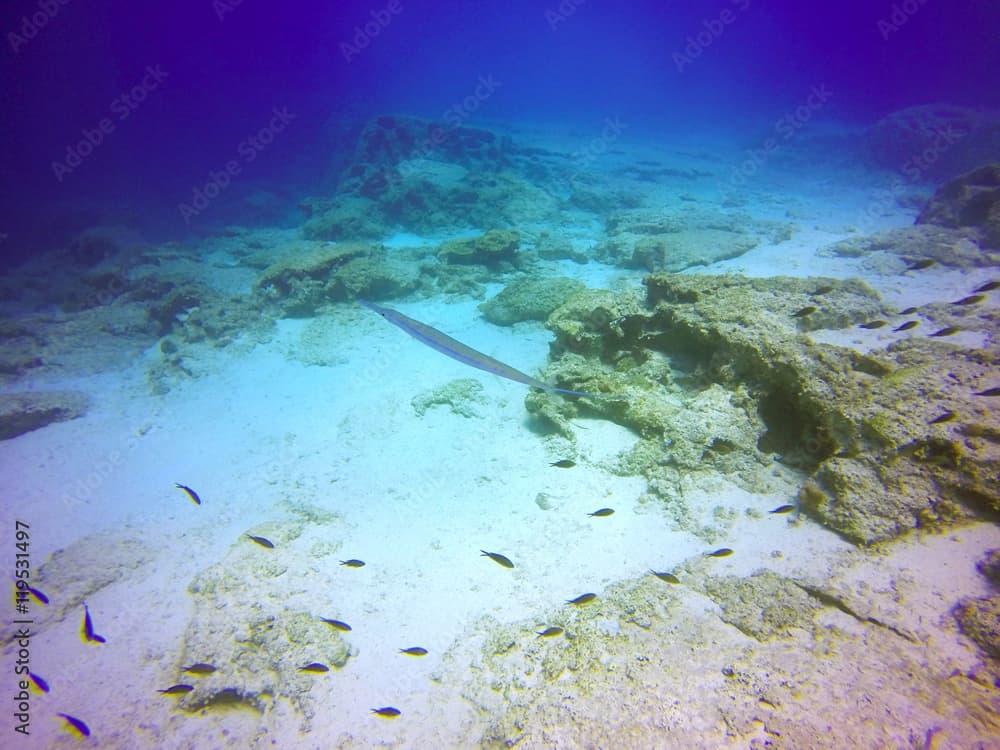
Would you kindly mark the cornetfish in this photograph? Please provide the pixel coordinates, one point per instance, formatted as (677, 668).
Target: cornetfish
(465, 354)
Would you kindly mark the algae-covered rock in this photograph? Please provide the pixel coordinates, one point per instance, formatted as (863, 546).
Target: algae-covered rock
(345, 218)
(429, 176)
(489, 249)
(688, 248)
(905, 245)
(980, 620)
(244, 625)
(864, 426)
(673, 241)
(299, 285)
(556, 247)
(989, 566)
(32, 410)
(460, 396)
(529, 299)
(970, 201)
(763, 605)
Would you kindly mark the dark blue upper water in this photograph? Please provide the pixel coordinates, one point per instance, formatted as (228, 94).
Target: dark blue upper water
(117, 112)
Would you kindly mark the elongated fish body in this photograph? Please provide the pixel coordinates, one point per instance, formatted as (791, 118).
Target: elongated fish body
(465, 354)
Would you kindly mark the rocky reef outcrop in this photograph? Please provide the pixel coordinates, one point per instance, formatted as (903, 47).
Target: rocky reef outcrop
(933, 141)
(886, 442)
(971, 202)
(424, 176)
(32, 410)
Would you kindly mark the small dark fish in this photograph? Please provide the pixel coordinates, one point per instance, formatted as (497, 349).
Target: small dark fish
(805, 311)
(783, 509)
(200, 668)
(497, 558)
(352, 563)
(76, 725)
(909, 311)
(972, 299)
(176, 690)
(263, 542)
(414, 651)
(602, 512)
(722, 552)
(906, 326)
(988, 392)
(989, 286)
(582, 599)
(190, 493)
(337, 624)
(920, 265)
(550, 632)
(40, 685)
(947, 331)
(314, 666)
(945, 416)
(87, 629)
(666, 577)
(873, 324)
(564, 463)
(825, 289)
(37, 595)
(387, 712)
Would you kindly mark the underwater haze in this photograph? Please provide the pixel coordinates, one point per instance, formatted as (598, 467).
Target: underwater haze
(556, 374)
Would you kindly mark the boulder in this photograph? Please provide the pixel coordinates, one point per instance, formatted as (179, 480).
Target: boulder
(489, 249)
(529, 299)
(971, 202)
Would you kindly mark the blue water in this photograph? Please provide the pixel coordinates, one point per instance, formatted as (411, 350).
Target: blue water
(728, 68)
